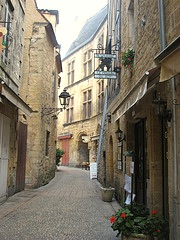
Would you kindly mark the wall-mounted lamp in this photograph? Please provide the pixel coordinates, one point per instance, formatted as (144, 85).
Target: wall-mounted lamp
(120, 135)
(109, 117)
(64, 98)
(162, 110)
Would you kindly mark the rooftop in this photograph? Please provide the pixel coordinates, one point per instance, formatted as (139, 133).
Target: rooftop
(88, 31)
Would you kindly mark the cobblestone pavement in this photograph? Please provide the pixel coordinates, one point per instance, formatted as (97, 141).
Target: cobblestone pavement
(68, 208)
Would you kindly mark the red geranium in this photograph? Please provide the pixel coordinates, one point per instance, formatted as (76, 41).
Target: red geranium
(113, 219)
(123, 215)
(154, 212)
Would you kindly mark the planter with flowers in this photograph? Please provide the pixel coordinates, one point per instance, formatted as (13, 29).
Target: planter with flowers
(134, 222)
(128, 59)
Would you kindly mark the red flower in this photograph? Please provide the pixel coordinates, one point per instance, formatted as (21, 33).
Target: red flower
(129, 59)
(158, 231)
(123, 215)
(154, 212)
(113, 219)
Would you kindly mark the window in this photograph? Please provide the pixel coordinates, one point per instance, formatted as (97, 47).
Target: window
(71, 72)
(70, 110)
(7, 24)
(100, 96)
(87, 61)
(47, 142)
(131, 21)
(87, 104)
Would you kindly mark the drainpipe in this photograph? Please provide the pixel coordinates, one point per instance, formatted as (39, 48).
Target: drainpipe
(175, 167)
(162, 24)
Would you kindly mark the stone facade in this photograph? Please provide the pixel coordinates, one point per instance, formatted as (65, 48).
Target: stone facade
(41, 66)
(79, 125)
(10, 101)
(151, 137)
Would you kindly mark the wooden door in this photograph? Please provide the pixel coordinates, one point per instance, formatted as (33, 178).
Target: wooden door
(65, 157)
(140, 162)
(21, 160)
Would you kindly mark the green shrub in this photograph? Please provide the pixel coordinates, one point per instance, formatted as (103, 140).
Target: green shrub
(59, 154)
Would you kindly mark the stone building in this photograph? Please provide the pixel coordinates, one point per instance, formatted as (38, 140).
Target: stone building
(41, 68)
(144, 104)
(12, 128)
(79, 125)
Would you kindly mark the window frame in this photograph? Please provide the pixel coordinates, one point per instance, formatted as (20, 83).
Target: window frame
(70, 110)
(87, 104)
(71, 72)
(87, 62)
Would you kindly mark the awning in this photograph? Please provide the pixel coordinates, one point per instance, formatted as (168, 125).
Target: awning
(169, 60)
(132, 98)
(170, 66)
(15, 99)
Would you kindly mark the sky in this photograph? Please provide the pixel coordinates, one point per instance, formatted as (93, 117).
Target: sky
(72, 16)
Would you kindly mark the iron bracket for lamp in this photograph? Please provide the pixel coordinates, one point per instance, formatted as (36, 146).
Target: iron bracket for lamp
(49, 111)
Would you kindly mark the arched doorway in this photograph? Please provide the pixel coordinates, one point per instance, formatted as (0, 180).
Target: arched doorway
(83, 148)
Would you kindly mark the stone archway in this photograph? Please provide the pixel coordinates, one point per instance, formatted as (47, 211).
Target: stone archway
(83, 151)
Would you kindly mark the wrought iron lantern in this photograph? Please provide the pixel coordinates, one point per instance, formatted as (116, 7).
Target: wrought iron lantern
(120, 135)
(64, 98)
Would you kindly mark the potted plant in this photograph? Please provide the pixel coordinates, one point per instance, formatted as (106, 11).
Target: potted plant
(135, 222)
(128, 59)
(59, 154)
(107, 193)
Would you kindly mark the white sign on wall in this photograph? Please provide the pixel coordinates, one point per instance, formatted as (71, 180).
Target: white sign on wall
(93, 170)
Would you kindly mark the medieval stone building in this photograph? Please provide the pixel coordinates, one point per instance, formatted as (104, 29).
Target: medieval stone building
(143, 107)
(12, 127)
(29, 73)
(79, 124)
(41, 68)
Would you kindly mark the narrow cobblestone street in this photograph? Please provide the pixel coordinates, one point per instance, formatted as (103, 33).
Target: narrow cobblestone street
(68, 208)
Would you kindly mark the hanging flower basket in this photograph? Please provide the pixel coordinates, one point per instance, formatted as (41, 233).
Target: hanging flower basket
(128, 59)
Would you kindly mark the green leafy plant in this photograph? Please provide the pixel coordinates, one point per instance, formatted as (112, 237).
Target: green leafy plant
(128, 59)
(135, 219)
(59, 154)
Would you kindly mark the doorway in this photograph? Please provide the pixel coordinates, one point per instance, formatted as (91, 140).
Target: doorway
(83, 149)
(21, 159)
(140, 162)
(4, 154)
